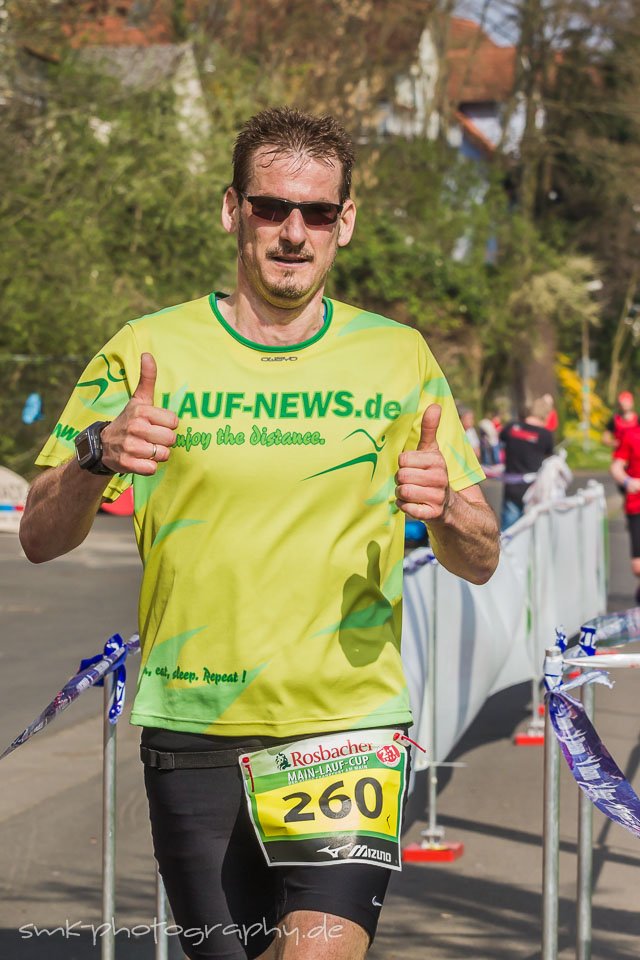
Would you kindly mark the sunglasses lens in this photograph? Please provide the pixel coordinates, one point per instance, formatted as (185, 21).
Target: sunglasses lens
(319, 214)
(268, 208)
(276, 211)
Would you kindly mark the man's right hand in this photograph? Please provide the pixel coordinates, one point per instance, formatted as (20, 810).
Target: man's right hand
(142, 435)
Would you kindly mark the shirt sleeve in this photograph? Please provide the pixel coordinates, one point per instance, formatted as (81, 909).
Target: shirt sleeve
(101, 393)
(462, 464)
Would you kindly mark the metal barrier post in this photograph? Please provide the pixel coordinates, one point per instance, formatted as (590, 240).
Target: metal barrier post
(108, 945)
(433, 832)
(551, 824)
(585, 853)
(432, 846)
(534, 733)
(162, 940)
(533, 613)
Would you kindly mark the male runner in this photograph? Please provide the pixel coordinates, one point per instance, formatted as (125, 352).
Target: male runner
(625, 469)
(274, 439)
(625, 419)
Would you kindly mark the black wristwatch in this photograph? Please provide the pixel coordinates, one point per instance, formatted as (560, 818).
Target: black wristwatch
(89, 449)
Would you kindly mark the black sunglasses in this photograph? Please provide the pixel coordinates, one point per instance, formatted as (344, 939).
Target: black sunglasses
(315, 213)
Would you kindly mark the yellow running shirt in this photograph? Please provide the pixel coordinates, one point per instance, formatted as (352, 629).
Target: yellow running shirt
(272, 547)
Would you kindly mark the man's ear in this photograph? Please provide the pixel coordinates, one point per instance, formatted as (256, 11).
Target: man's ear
(230, 210)
(347, 223)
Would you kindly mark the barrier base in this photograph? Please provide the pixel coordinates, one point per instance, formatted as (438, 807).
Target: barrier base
(529, 739)
(432, 852)
(533, 736)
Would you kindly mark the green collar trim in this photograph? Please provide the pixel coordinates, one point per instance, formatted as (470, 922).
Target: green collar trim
(263, 347)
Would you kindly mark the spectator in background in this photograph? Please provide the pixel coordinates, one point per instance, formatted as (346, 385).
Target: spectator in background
(625, 469)
(468, 420)
(489, 443)
(527, 442)
(620, 422)
(551, 422)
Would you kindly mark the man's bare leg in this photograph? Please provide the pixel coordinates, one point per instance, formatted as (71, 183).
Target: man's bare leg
(310, 935)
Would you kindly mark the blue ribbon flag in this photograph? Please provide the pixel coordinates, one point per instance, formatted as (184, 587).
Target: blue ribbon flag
(593, 768)
(91, 674)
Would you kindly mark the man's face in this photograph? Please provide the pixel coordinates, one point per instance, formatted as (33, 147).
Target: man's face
(287, 263)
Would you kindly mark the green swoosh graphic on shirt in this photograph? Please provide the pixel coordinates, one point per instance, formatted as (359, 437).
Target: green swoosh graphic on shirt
(366, 321)
(110, 404)
(143, 487)
(102, 383)
(364, 458)
(409, 404)
(168, 528)
(382, 495)
(376, 614)
(458, 457)
(169, 649)
(395, 705)
(200, 699)
(437, 387)
(379, 449)
(230, 696)
(392, 587)
(175, 400)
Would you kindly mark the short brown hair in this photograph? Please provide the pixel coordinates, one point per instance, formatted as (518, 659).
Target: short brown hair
(290, 131)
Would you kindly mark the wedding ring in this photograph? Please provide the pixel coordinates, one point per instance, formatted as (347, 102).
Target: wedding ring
(155, 450)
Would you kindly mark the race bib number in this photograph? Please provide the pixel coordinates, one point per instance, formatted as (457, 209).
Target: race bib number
(329, 799)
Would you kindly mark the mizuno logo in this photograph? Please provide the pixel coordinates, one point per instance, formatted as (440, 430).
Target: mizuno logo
(361, 850)
(334, 851)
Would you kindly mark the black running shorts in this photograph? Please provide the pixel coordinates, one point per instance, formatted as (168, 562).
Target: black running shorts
(633, 523)
(223, 896)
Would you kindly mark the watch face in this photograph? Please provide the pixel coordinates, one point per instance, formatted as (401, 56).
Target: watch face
(83, 446)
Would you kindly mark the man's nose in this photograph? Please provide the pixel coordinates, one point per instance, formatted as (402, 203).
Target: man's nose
(293, 228)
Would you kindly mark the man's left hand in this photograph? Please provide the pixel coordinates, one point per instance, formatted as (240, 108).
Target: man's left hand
(422, 490)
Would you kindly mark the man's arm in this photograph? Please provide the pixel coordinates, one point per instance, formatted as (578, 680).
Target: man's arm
(59, 511)
(64, 500)
(463, 528)
(620, 475)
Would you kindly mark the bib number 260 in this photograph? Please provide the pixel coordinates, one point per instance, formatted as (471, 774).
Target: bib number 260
(367, 794)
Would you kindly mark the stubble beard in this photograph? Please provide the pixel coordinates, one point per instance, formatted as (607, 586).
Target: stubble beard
(288, 290)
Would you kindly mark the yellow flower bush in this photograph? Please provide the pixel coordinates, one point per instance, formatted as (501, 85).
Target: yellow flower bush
(570, 383)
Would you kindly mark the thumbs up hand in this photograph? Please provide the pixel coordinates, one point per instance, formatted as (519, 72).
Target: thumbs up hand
(422, 489)
(142, 435)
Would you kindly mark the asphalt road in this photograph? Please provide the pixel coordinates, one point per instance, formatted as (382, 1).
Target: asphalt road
(484, 906)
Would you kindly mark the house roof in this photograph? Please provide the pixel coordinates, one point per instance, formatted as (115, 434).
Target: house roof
(123, 23)
(479, 70)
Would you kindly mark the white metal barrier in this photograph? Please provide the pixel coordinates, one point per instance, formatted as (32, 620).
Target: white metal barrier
(552, 572)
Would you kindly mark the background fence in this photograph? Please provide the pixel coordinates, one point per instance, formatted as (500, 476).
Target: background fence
(552, 572)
